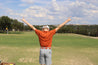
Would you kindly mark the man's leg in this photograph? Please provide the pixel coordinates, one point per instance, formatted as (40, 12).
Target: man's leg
(42, 57)
(48, 57)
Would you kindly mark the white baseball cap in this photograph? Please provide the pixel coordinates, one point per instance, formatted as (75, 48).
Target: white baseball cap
(45, 26)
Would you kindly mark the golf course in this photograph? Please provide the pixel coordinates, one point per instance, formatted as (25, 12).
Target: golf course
(67, 49)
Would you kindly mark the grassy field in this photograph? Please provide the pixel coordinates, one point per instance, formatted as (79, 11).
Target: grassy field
(67, 49)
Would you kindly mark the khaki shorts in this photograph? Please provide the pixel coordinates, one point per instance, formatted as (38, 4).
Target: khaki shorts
(45, 56)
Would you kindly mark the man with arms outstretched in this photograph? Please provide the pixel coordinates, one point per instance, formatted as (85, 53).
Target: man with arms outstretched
(45, 38)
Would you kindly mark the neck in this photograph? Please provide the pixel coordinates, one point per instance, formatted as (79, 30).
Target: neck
(45, 29)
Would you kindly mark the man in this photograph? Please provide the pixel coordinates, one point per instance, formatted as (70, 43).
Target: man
(45, 39)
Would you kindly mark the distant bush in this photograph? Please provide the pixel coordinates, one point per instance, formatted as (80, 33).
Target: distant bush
(90, 30)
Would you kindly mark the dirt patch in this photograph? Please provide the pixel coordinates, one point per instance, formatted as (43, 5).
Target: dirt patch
(5, 47)
(3, 58)
(93, 50)
(28, 60)
(33, 50)
(81, 60)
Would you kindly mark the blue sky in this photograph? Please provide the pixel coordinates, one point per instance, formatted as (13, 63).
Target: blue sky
(39, 12)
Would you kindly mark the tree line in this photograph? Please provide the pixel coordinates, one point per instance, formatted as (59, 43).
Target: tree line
(6, 22)
(90, 30)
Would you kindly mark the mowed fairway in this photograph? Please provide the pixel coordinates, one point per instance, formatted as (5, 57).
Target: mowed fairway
(67, 49)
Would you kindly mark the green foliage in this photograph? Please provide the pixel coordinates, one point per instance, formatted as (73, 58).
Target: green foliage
(91, 30)
(27, 28)
(38, 27)
(6, 22)
(17, 25)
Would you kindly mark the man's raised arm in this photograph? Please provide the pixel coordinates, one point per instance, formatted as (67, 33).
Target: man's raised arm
(29, 24)
(61, 25)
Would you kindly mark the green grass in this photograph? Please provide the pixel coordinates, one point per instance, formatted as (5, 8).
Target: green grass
(14, 32)
(67, 49)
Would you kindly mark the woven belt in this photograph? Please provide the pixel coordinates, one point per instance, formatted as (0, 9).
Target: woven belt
(45, 47)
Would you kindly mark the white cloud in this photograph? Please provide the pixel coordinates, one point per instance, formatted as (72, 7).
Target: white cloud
(82, 12)
(22, 4)
(36, 11)
(28, 1)
(55, 5)
(82, 9)
(32, 12)
(56, 11)
(77, 18)
(90, 1)
(95, 11)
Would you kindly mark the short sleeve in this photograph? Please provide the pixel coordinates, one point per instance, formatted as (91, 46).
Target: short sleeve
(37, 31)
(53, 31)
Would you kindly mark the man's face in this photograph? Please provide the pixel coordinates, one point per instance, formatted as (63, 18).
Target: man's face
(45, 29)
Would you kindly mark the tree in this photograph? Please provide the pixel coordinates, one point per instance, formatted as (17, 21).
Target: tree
(17, 25)
(5, 21)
